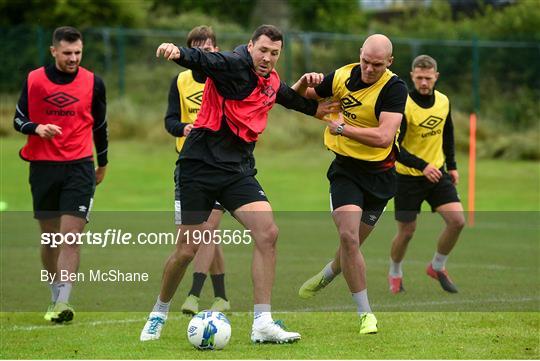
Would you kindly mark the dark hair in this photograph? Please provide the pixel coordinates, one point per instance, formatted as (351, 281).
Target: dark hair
(424, 62)
(269, 30)
(201, 34)
(66, 33)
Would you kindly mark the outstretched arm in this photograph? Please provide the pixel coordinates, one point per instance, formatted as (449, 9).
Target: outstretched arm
(168, 51)
(304, 86)
(229, 70)
(290, 99)
(209, 63)
(287, 97)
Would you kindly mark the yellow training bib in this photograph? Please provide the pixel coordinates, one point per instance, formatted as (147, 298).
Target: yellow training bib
(191, 93)
(424, 135)
(358, 109)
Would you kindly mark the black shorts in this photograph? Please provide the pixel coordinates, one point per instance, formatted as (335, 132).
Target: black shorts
(198, 186)
(62, 188)
(369, 191)
(413, 190)
(177, 207)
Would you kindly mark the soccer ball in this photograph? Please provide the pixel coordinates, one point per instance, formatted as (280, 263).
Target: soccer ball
(209, 330)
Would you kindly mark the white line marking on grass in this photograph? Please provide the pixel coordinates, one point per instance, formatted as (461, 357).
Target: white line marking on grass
(496, 267)
(414, 262)
(53, 326)
(382, 307)
(337, 308)
(457, 302)
(507, 226)
(491, 267)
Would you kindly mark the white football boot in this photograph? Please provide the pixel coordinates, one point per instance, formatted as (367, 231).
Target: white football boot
(273, 332)
(153, 326)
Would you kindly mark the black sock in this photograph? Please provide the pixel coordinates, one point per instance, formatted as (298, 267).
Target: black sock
(218, 281)
(198, 282)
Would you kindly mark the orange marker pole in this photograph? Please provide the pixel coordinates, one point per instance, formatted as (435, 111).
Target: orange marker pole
(472, 168)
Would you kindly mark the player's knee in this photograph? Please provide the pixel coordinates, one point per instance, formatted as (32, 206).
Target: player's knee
(457, 222)
(70, 248)
(211, 225)
(273, 232)
(184, 254)
(267, 238)
(49, 247)
(407, 233)
(349, 240)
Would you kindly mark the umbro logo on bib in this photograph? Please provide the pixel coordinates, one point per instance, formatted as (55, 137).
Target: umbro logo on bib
(268, 91)
(196, 97)
(61, 99)
(431, 122)
(349, 101)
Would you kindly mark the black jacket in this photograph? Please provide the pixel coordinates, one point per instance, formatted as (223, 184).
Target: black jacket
(235, 78)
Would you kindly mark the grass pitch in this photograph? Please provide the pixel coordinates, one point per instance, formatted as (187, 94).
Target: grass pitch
(325, 335)
(495, 265)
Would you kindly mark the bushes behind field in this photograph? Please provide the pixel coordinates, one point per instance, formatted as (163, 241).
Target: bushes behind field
(508, 69)
(497, 140)
(509, 85)
(287, 129)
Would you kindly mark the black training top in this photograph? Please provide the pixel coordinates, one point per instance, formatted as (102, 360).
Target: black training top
(234, 78)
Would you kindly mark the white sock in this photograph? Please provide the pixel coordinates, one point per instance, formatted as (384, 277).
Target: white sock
(261, 315)
(328, 273)
(395, 269)
(162, 307)
(54, 291)
(439, 261)
(64, 290)
(362, 303)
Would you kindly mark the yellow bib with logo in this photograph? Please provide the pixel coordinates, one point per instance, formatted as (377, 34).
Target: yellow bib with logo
(191, 93)
(358, 109)
(424, 136)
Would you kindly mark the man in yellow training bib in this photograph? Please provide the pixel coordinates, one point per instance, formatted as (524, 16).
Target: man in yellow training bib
(426, 146)
(362, 176)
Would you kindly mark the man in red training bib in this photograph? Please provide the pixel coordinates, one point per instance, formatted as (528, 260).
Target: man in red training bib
(217, 163)
(62, 110)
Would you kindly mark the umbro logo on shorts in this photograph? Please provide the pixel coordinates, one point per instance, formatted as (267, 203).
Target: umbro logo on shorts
(61, 99)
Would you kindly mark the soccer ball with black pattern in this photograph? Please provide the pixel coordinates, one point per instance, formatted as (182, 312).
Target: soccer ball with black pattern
(209, 330)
